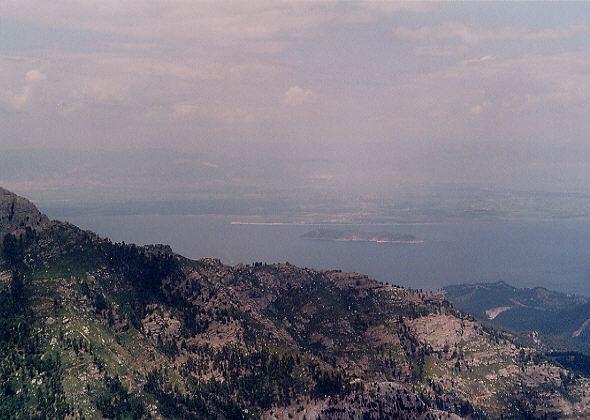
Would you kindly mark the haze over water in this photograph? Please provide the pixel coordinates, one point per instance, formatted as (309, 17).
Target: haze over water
(554, 255)
(411, 111)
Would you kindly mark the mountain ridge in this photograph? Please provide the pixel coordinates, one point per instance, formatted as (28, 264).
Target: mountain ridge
(104, 330)
(562, 319)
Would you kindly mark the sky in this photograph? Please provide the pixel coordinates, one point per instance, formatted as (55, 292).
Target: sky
(116, 99)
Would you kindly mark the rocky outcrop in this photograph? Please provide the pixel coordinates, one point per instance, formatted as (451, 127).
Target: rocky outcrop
(18, 213)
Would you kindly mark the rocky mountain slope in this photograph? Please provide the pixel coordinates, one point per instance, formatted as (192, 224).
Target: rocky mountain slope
(536, 309)
(92, 329)
(17, 214)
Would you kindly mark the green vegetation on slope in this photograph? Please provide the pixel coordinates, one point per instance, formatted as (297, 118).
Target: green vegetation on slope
(92, 329)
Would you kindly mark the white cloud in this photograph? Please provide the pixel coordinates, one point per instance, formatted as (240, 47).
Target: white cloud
(296, 95)
(14, 100)
(177, 59)
(34, 76)
(479, 60)
(220, 68)
(494, 97)
(479, 108)
(145, 85)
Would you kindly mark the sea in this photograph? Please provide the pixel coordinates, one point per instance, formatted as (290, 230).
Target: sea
(551, 254)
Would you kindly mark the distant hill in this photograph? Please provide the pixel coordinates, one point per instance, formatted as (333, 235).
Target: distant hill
(92, 329)
(536, 309)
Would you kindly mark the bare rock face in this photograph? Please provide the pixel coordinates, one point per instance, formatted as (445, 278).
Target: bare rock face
(18, 213)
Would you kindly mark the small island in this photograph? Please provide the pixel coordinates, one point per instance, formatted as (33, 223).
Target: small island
(358, 236)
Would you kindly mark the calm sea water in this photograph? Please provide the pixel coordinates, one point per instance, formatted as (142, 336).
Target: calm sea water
(555, 255)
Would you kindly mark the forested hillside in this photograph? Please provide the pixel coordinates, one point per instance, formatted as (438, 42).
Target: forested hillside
(94, 329)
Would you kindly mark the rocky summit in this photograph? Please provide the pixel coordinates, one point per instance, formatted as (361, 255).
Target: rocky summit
(17, 213)
(95, 329)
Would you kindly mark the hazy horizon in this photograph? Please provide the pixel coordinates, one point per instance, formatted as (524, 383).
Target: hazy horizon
(346, 101)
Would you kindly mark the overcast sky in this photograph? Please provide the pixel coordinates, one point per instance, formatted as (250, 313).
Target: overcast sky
(325, 94)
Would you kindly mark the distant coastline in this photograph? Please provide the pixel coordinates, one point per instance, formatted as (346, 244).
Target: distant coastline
(358, 236)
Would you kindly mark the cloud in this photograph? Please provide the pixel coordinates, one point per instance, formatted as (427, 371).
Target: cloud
(479, 60)
(134, 85)
(34, 76)
(210, 165)
(225, 22)
(174, 60)
(479, 108)
(297, 96)
(213, 74)
(539, 96)
(440, 51)
(471, 35)
(215, 112)
(14, 100)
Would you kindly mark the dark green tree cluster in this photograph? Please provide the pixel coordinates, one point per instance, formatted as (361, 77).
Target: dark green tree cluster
(253, 379)
(200, 400)
(30, 379)
(13, 251)
(115, 401)
(144, 270)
